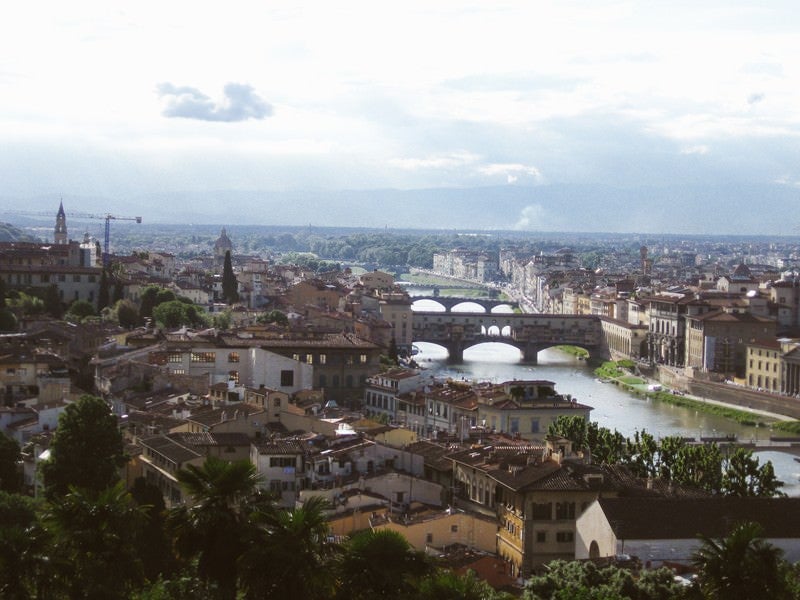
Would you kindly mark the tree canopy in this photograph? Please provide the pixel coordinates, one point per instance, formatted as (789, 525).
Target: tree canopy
(86, 451)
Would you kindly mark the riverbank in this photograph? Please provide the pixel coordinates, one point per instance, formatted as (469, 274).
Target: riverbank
(617, 373)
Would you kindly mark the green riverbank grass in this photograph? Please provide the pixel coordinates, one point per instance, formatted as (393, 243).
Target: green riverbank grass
(574, 351)
(615, 371)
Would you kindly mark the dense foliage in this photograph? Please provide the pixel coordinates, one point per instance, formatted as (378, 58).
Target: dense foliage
(704, 466)
(86, 451)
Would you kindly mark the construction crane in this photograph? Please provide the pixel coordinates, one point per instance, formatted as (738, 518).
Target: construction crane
(108, 218)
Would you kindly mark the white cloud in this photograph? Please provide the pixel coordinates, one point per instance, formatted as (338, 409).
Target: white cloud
(443, 161)
(700, 149)
(240, 103)
(512, 172)
(533, 217)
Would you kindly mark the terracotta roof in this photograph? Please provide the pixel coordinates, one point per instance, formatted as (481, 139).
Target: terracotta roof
(211, 439)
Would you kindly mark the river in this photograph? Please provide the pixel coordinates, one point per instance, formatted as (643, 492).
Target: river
(612, 407)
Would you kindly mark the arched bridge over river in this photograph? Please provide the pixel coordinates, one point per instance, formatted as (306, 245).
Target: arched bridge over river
(531, 333)
(448, 302)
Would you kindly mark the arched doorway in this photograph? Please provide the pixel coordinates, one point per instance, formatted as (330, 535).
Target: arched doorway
(594, 550)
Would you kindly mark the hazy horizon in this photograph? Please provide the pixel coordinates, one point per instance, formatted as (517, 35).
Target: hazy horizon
(607, 115)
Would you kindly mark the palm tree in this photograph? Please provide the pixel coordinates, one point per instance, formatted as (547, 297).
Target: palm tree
(741, 566)
(289, 553)
(212, 526)
(378, 564)
(447, 585)
(93, 542)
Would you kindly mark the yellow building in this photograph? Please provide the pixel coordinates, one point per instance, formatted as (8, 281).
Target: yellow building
(434, 528)
(536, 495)
(764, 358)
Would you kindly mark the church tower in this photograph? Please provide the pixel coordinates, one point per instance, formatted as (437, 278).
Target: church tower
(61, 226)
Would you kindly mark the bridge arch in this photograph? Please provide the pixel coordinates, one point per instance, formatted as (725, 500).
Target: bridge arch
(470, 306)
(530, 333)
(483, 305)
(428, 305)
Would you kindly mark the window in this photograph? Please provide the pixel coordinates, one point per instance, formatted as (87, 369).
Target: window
(92, 278)
(233, 357)
(541, 537)
(515, 425)
(428, 538)
(565, 510)
(203, 357)
(174, 357)
(310, 359)
(565, 536)
(453, 528)
(281, 461)
(541, 512)
(178, 371)
(76, 278)
(363, 359)
(287, 378)
(534, 425)
(233, 376)
(323, 359)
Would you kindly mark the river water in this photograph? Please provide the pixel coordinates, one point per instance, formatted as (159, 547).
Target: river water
(612, 407)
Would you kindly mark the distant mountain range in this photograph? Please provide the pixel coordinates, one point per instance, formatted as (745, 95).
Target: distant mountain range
(740, 209)
(10, 233)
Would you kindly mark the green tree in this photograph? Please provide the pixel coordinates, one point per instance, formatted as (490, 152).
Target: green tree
(148, 301)
(643, 455)
(52, 302)
(94, 553)
(21, 548)
(564, 580)
(86, 451)
(378, 564)
(165, 295)
(230, 287)
(393, 354)
(274, 316)
(104, 294)
(741, 566)
(743, 476)
(212, 526)
(79, 310)
(171, 314)
(10, 474)
(447, 585)
(573, 428)
(153, 542)
(294, 543)
(222, 320)
(127, 314)
(8, 321)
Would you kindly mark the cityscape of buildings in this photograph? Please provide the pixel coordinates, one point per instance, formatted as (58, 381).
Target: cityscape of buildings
(298, 377)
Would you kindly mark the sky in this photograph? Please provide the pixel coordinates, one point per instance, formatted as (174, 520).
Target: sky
(144, 107)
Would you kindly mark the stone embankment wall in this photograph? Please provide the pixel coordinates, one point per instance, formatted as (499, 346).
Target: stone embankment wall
(729, 393)
(746, 398)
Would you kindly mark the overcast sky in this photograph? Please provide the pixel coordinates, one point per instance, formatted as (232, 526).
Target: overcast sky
(119, 100)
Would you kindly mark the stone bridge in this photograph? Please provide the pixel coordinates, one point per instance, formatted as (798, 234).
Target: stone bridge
(531, 333)
(448, 302)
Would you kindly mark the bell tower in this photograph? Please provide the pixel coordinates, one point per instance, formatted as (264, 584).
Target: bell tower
(60, 236)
